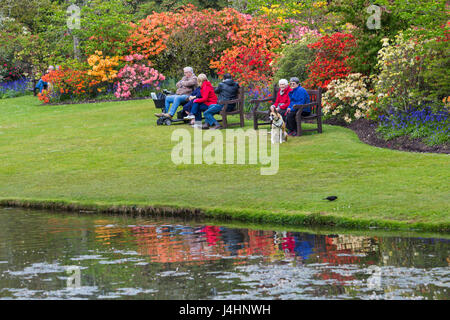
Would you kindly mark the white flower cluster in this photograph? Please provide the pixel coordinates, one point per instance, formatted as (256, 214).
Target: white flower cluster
(399, 64)
(348, 98)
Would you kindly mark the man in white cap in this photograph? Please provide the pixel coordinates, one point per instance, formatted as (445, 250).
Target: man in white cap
(184, 89)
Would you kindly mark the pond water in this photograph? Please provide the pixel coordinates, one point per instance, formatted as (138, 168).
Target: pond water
(46, 255)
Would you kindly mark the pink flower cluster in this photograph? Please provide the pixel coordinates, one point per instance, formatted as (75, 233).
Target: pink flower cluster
(134, 57)
(134, 75)
(298, 32)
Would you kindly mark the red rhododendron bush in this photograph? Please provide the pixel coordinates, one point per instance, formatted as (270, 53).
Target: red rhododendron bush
(224, 41)
(250, 66)
(331, 61)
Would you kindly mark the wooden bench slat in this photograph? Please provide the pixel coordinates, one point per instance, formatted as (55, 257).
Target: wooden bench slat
(239, 109)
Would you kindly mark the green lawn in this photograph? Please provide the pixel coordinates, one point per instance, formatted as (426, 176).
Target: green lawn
(113, 153)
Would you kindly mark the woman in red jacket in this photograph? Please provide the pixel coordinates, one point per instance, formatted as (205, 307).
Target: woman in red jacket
(282, 101)
(202, 104)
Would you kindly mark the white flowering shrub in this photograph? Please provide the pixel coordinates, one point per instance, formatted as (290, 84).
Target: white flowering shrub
(399, 81)
(347, 98)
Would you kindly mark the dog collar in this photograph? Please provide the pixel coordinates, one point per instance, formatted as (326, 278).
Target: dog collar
(278, 123)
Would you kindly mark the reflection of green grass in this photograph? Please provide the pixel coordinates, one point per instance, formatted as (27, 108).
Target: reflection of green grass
(114, 154)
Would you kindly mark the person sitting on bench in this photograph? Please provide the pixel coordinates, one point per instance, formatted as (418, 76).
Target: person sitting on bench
(227, 90)
(282, 101)
(41, 85)
(202, 104)
(297, 96)
(188, 106)
(184, 89)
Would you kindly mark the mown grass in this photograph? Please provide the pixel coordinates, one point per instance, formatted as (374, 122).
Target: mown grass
(105, 154)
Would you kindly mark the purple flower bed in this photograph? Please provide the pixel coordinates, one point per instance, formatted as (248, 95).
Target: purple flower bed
(434, 127)
(256, 94)
(15, 88)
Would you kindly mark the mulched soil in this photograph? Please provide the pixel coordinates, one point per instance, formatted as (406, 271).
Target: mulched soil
(366, 131)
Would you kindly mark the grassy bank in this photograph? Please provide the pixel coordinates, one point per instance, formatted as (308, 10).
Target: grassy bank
(102, 156)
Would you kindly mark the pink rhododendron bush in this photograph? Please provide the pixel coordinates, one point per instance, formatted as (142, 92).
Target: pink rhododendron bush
(136, 74)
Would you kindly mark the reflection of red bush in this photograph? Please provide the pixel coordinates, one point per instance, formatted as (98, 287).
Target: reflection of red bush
(288, 244)
(212, 234)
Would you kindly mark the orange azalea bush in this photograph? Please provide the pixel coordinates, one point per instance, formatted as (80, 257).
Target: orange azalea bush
(202, 37)
(44, 96)
(69, 83)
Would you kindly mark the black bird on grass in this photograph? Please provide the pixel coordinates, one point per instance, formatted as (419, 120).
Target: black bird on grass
(330, 198)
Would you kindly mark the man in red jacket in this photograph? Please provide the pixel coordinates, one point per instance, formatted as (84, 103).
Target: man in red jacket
(202, 104)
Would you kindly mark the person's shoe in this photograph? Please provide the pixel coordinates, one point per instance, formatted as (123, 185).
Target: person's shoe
(217, 127)
(292, 133)
(189, 117)
(197, 126)
(205, 126)
(159, 115)
(167, 115)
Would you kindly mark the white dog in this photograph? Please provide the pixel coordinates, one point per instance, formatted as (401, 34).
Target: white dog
(278, 133)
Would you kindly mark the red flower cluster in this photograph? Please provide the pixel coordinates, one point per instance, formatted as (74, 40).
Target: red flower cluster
(70, 82)
(331, 60)
(250, 66)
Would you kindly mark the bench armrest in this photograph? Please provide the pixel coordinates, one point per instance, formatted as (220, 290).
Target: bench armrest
(302, 106)
(260, 100)
(257, 103)
(224, 102)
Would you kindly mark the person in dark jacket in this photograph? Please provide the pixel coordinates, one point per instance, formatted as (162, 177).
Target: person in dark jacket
(297, 96)
(226, 90)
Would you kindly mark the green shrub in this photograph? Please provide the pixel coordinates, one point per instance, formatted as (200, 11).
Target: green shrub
(435, 74)
(295, 59)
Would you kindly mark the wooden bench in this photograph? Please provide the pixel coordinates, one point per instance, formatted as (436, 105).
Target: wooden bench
(239, 109)
(315, 97)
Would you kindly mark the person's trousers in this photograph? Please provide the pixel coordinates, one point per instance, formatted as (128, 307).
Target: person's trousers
(197, 109)
(175, 100)
(209, 114)
(283, 114)
(291, 123)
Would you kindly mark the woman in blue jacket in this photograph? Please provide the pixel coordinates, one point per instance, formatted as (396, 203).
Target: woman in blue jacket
(298, 96)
